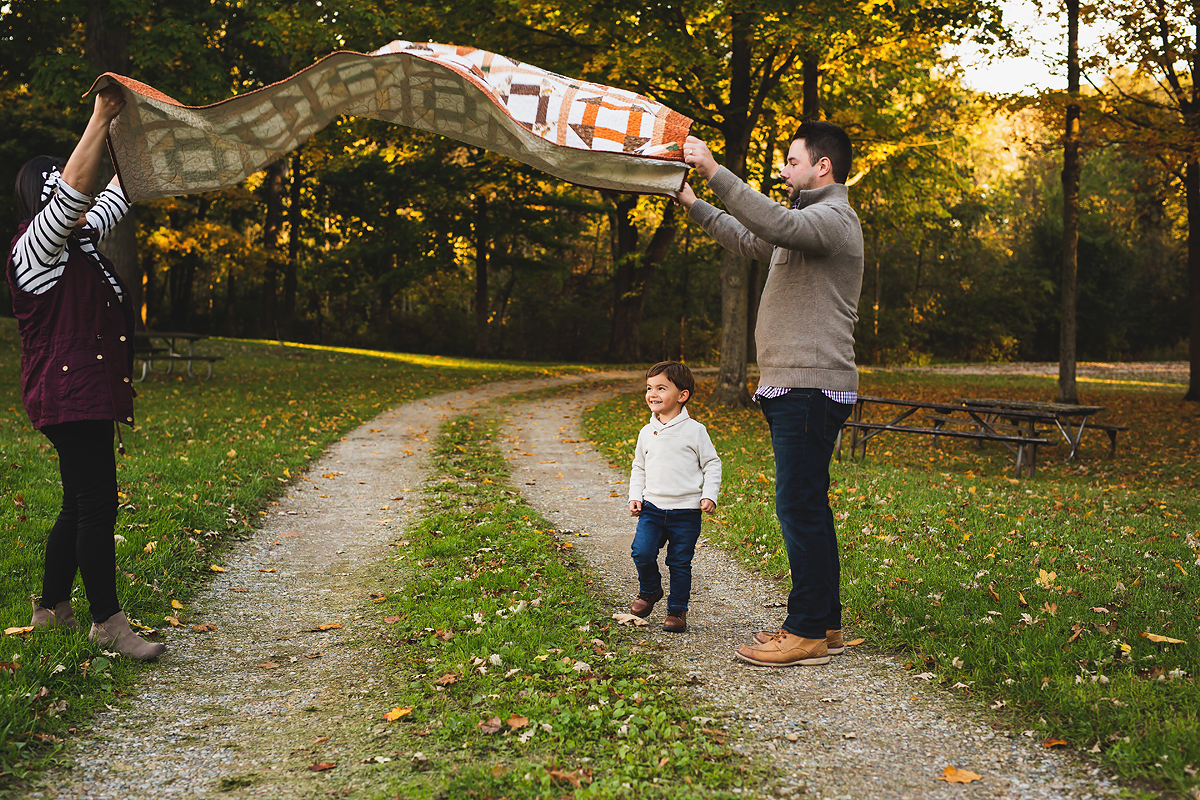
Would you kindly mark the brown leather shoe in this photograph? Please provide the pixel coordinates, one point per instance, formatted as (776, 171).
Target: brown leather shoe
(785, 650)
(643, 604)
(833, 640)
(676, 622)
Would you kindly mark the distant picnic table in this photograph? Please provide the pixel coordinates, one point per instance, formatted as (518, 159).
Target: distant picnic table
(165, 347)
(1011, 423)
(1070, 419)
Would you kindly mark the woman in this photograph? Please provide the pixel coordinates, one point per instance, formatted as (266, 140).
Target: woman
(76, 325)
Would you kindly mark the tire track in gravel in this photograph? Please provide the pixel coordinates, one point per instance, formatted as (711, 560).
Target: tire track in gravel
(864, 728)
(209, 720)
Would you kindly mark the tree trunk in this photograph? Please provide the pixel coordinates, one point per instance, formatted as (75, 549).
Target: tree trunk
(272, 225)
(482, 246)
(105, 42)
(1192, 187)
(731, 374)
(1067, 391)
(632, 281)
(293, 259)
(812, 88)
(756, 271)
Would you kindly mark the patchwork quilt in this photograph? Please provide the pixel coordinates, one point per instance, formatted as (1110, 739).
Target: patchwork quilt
(581, 132)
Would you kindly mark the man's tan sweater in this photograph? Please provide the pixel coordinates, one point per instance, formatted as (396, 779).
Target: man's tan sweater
(809, 306)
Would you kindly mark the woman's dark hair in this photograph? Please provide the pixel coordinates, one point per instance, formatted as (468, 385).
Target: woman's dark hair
(28, 190)
(825, 140)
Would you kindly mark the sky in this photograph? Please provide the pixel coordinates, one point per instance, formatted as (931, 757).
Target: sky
(1044, 68)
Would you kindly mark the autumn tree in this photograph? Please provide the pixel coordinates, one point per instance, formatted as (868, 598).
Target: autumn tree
(1155, 106)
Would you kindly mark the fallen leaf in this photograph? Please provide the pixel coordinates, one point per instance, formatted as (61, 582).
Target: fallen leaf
(377, 760)
(320, 739)
(489, 725)
(854, 642)
(624, 618)
(956, 775)
(267, 570)
(499, 771)
(516, 722)
(397, 713)
(1154, 637)
(176, 604)
(447, 679)
(19, 500)
(1101, 610)
(1046, 579)
(149, 548)
(313, 655)
(792, 737)
(925, 676)
(204, 627)
(332, 626)
(322, 766)
(1077, 631)
(17, 631)
(175, 623)
(1021, 600)
(215, 568)
(269, 664)
(1050, 744)
(1050, 608)
(391, 620)
(575, 777)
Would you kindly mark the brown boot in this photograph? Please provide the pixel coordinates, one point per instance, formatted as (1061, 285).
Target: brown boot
(61, 616)
(643, 604)
(785, 650)
(115, 632)
(676, 622)
(833, 640)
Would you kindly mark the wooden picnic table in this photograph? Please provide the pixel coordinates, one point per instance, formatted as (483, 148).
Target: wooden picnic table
(943, 420)
(1068, 418)
(170, 351)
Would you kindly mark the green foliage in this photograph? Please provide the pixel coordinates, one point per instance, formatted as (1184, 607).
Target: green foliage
(1028, 596)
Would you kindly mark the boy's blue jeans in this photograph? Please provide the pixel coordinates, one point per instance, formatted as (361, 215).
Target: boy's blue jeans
(678, 529)
(804, 427)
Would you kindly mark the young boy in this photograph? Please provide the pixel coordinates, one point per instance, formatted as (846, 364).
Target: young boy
(676, 474)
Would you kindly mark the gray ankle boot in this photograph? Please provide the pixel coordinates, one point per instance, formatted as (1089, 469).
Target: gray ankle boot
(115, 632)
(61, 616)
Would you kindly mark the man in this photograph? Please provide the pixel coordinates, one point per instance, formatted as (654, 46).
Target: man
(805, 339)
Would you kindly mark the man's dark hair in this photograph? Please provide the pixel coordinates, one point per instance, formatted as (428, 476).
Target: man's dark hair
(28, 189)
(825, 140)
(677, 374)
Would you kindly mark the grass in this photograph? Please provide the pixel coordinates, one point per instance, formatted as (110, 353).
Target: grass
(525, 687)
(1037, 598)
(202, 466)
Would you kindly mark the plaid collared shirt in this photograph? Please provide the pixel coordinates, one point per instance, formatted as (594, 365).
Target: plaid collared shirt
(768, 392)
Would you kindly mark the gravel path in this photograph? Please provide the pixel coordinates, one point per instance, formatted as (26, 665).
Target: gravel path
(244, 710)
(214, 718)
(863, 727)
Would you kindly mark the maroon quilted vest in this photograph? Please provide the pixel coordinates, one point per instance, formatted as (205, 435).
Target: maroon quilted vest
(76, 343)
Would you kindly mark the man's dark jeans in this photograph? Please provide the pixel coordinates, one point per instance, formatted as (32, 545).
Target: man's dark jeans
(678, 529)
(804, 427)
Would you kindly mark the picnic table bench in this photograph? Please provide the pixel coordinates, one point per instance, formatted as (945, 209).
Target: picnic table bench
(1068, 419)
(943, 420)
(147, 351)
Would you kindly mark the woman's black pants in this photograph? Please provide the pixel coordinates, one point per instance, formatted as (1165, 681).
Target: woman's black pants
(82, 537)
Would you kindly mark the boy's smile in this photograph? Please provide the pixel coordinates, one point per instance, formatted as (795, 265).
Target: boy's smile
(664, 398)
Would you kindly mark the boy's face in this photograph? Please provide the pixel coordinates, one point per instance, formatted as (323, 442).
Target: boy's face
(664, 398)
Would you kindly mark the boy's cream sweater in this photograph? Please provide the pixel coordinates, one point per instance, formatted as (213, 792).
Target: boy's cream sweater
(675, 464)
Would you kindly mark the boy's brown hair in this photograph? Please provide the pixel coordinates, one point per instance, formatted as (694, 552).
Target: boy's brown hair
(677, 374)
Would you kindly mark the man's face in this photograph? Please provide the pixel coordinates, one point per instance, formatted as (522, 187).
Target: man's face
(799, 173)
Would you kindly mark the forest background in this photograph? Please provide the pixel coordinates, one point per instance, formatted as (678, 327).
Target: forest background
(381, 236)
